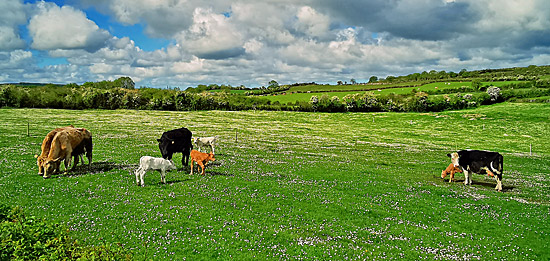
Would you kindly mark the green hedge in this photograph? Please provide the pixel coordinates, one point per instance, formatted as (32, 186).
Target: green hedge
(25, 237)
(87, 96)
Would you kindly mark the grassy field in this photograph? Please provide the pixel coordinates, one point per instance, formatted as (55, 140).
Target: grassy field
(376, 89)
(291, 185)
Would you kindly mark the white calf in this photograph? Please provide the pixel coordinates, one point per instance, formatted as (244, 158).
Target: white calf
(150, 163)
(206, 141)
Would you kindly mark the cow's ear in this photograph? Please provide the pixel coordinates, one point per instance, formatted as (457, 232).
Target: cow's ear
(449, 155)
(159, 140)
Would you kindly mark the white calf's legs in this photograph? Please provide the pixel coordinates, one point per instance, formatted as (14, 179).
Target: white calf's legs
(137, 176)
(163, 176)
(140, 174)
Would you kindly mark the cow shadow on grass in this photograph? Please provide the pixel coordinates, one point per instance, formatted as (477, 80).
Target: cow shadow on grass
(486, 184)
(505, 188)
(174, 181)
(197, 173)
(217, 173)
(100, 167)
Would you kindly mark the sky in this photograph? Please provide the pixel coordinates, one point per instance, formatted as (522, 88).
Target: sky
(182, 43)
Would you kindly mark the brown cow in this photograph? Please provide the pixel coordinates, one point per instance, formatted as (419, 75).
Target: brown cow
(45, 148)
(451, 169)
(62, 147)
(201, 159)
(85, 146)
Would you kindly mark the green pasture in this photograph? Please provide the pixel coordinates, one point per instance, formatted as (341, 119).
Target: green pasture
(231, 91)
(346, 87)
(293, 185)
(343, 90)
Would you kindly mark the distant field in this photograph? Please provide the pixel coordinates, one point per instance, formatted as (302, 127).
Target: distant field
(380, 90)
(348, 87)
(293, 185)
(232, 91)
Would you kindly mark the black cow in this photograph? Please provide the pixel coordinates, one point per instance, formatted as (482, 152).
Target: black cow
(480, 162)
(178, 140)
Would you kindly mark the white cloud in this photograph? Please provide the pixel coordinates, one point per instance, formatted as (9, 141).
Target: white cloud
(511, 15)
(311, 22)
(253, 42)
(12, 15)
(253, 46)
(64, 27)
(15, 59)
(211, 36)
(193, 66)
(162, 18)
(264, 21)
(9, 39)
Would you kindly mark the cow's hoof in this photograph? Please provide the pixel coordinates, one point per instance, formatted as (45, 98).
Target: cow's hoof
(45, 177)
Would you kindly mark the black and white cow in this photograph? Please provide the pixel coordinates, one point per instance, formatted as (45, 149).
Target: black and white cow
(178, 140)
(480, 162)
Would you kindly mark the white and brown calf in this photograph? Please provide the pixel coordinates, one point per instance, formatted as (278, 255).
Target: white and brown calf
(205, 141)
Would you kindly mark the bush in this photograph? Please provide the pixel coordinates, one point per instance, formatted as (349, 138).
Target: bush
(494, 92)
(25, 237)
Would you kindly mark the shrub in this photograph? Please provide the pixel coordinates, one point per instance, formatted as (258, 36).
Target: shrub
(476, 84)
(25, 237)
(494, 92)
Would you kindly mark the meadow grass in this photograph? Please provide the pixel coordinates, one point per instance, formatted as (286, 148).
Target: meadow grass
(295, 185)
(343, 90)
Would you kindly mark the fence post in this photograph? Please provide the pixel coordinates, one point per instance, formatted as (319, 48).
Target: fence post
(28, 129)
(236, 136)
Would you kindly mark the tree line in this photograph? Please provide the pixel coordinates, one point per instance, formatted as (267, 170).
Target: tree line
(122, 94)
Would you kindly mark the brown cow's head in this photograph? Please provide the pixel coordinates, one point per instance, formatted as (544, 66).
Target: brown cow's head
(50, 166)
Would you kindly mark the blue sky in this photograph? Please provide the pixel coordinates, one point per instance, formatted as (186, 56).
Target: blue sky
(185, 43)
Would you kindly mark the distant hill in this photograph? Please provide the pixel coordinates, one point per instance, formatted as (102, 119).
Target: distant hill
(31, 84)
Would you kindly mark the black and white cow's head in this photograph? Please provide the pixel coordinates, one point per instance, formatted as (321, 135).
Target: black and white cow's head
(454, 158)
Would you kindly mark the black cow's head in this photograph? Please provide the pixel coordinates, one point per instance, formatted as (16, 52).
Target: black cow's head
(164, 146)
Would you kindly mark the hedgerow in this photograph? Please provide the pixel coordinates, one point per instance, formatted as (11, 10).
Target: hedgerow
(89, 96)
(24, 237)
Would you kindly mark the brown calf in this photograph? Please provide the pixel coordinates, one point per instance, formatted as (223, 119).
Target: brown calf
(451, 169)
(201, 159)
